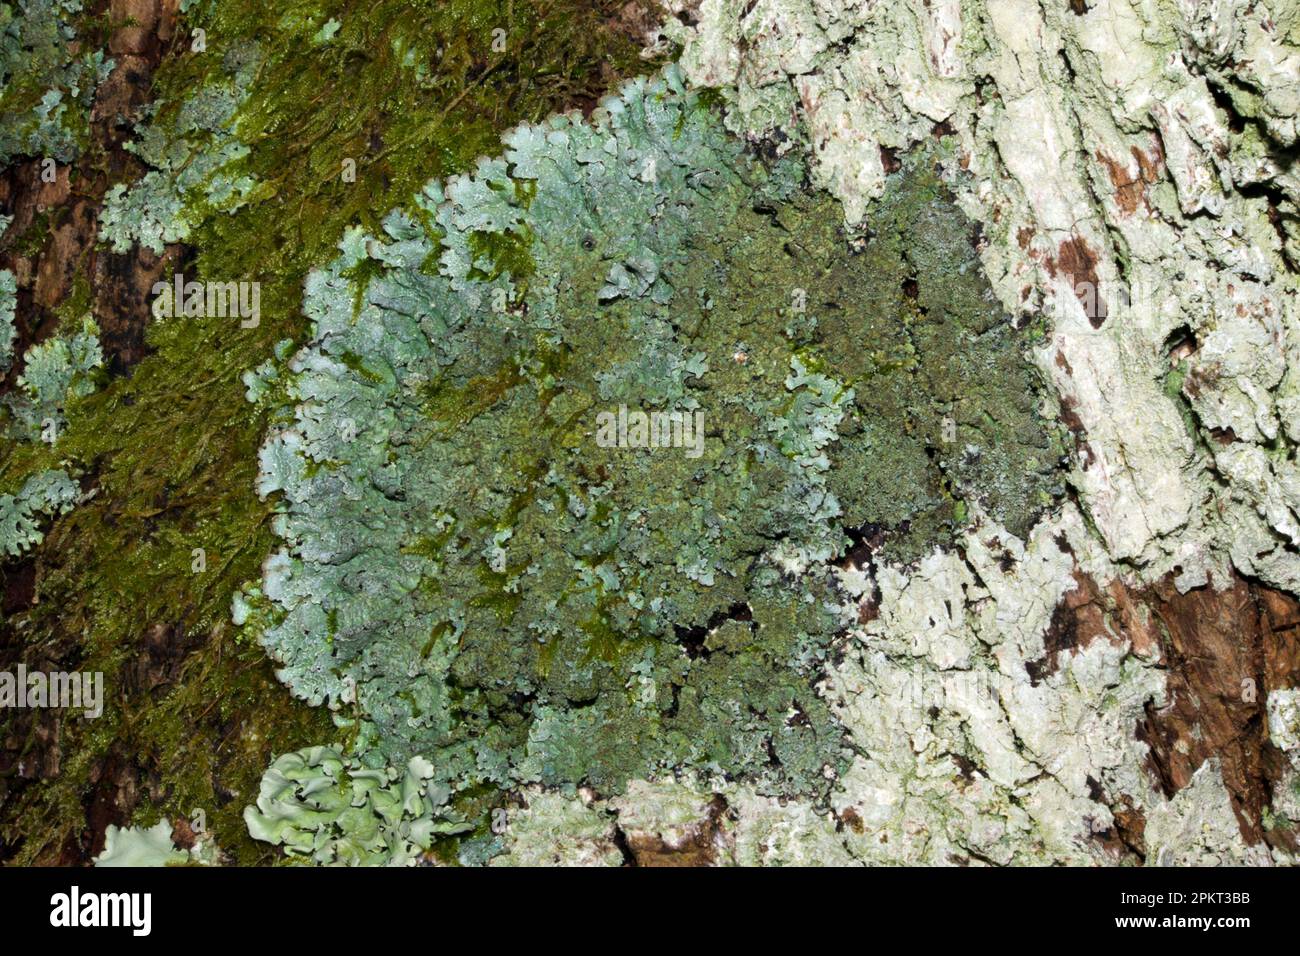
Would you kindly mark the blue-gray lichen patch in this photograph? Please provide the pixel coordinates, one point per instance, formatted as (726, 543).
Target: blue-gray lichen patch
(44, 493)
(46, 84)
(578, 440)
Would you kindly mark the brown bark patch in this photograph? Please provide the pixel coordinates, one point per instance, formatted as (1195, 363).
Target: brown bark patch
(697, 847)
(69, 243)
(1089, 612)
(124, 299)
(1069, 415)
(19, 586)
(1224, 651)
(1130, 188)
(113, 796)
(159, 660)
(145, 24)
(1125, 839)
(889, 160)
(639, 20)
(183, 834)
(1076, 260)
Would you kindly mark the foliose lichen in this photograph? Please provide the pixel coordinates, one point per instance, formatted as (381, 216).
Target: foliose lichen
(8, 309)
(322, 805)
(192, 154)
(487, 566)
(153, 846)
(46, 493)
(55, 372)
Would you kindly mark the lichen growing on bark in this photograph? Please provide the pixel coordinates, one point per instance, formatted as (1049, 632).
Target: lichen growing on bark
(882, 634)
(335, 811)
(1131, 169)
(8, 308)
(479, 579)
(55, 372)
(189, 155)
(43, 494)
(153, 846)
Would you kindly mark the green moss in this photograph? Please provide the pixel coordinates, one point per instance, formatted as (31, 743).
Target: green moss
(502, 254)
(455, 405)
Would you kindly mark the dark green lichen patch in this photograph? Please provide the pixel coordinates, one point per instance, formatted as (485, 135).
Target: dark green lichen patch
(481, 549)
(941, 378)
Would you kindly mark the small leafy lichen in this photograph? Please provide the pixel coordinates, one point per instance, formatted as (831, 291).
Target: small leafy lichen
(45, 493)
(55, 372)
(140, 846)
(152, 846)
(190, 155)
(8, 308)
(335, 811)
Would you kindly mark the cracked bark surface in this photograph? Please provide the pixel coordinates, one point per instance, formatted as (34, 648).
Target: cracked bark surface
(1209, 641)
